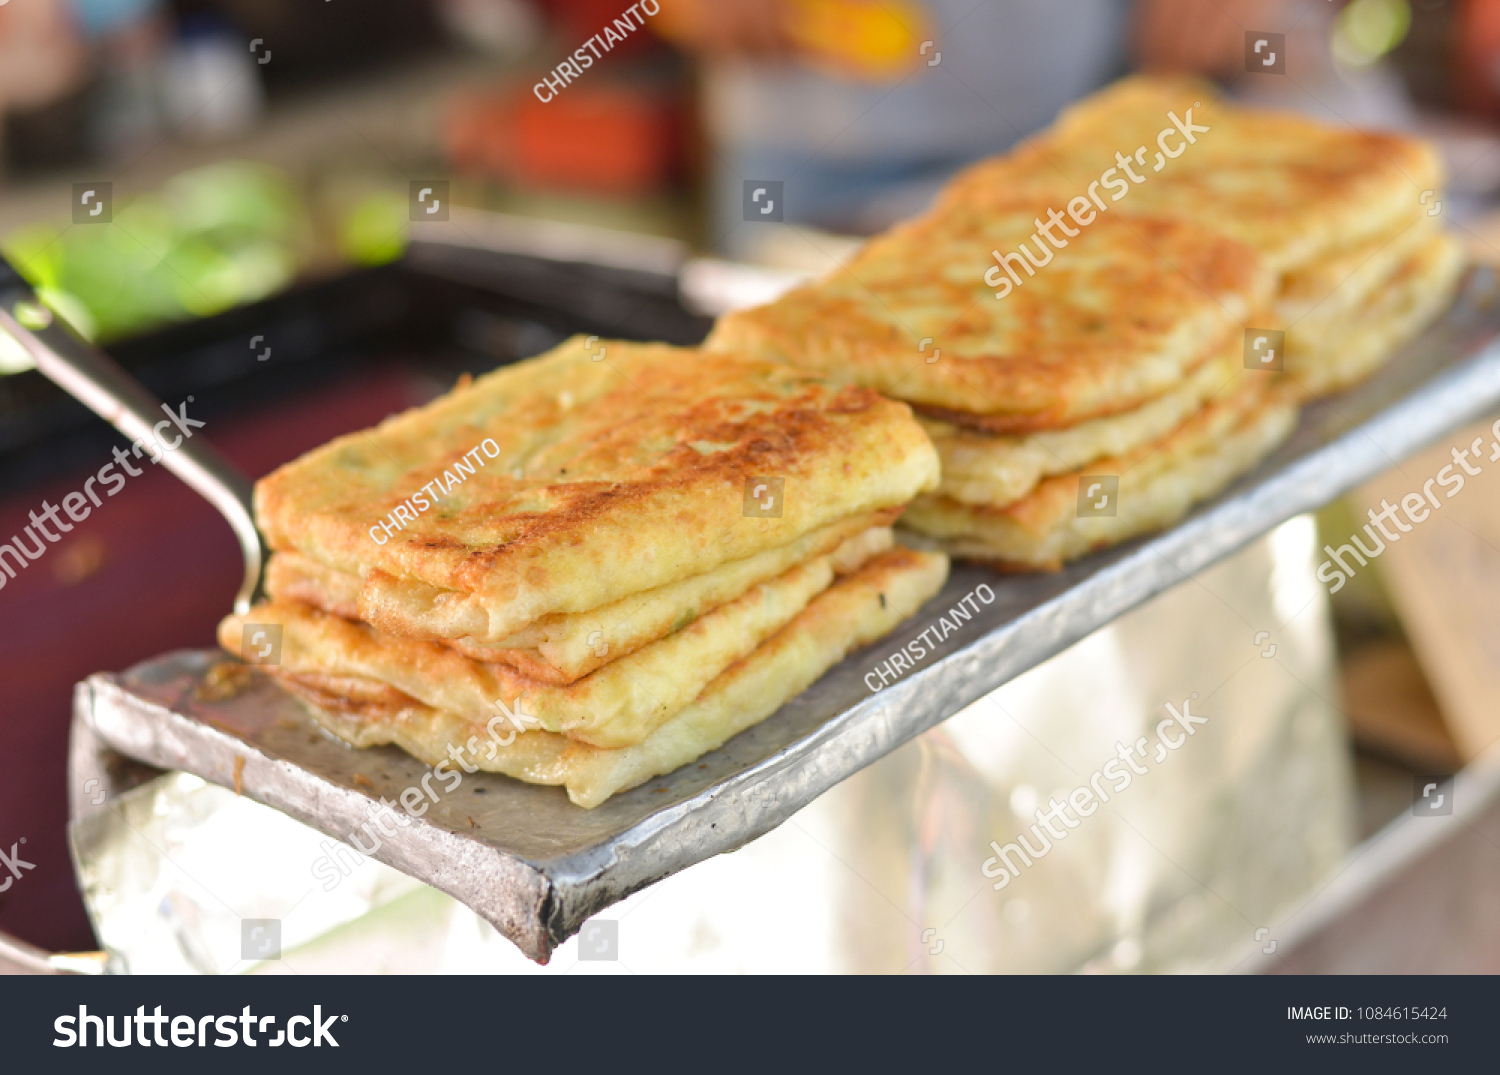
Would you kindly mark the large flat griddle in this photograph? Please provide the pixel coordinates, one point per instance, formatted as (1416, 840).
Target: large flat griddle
(537, 867)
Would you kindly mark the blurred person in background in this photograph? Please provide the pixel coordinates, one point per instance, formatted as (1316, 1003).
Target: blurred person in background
(51, 49)
(41, 54)
(801, 90)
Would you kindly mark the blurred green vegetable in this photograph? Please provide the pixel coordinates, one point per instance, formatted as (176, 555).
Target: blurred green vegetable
(373, 232)
(211, 239)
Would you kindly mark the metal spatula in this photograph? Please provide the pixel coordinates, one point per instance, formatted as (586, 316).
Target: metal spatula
(97, 381)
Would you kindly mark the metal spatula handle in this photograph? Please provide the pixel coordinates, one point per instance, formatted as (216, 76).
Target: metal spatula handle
(99, 383)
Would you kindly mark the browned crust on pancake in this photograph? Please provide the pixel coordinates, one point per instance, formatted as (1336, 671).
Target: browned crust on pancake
(1419, 289)
(1290, 186)
(604, 472)
(1158, 484)
(1007, 425)
(855, 611)
(354, 695)
(291, 576)
(561, 649)
(1057, 497)
(616, 705)
(1117, 317)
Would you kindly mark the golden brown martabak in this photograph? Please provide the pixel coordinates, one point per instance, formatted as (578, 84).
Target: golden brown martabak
(853, 612)
(616, 705)
(1332, 289)
(1158, 484)
(1325, 354)
(993, 471)
(570, 481)
(1114, 319)
(564, 647)
(1291, 187)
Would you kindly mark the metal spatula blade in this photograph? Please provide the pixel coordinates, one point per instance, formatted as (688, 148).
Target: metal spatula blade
(99, 383)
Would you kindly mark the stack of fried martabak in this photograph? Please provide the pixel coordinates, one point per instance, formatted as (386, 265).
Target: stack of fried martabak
(1087, 325)
(592, 567)
(1348, 220)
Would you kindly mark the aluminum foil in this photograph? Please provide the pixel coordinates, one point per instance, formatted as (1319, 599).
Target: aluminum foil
(1218, 837)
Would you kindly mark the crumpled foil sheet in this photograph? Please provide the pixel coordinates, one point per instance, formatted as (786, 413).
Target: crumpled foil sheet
(171, 870)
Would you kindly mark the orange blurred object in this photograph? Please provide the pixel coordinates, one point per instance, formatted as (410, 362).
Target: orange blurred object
(877, 40)
(1476, 43)
(874, 39)
(600, 138)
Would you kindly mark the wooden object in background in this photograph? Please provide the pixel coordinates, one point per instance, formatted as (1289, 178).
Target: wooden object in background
(1444, 578)
(1391, 710)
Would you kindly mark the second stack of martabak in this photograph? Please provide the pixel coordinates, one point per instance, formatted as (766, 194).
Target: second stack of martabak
(1349, 220)
(1090, 326)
